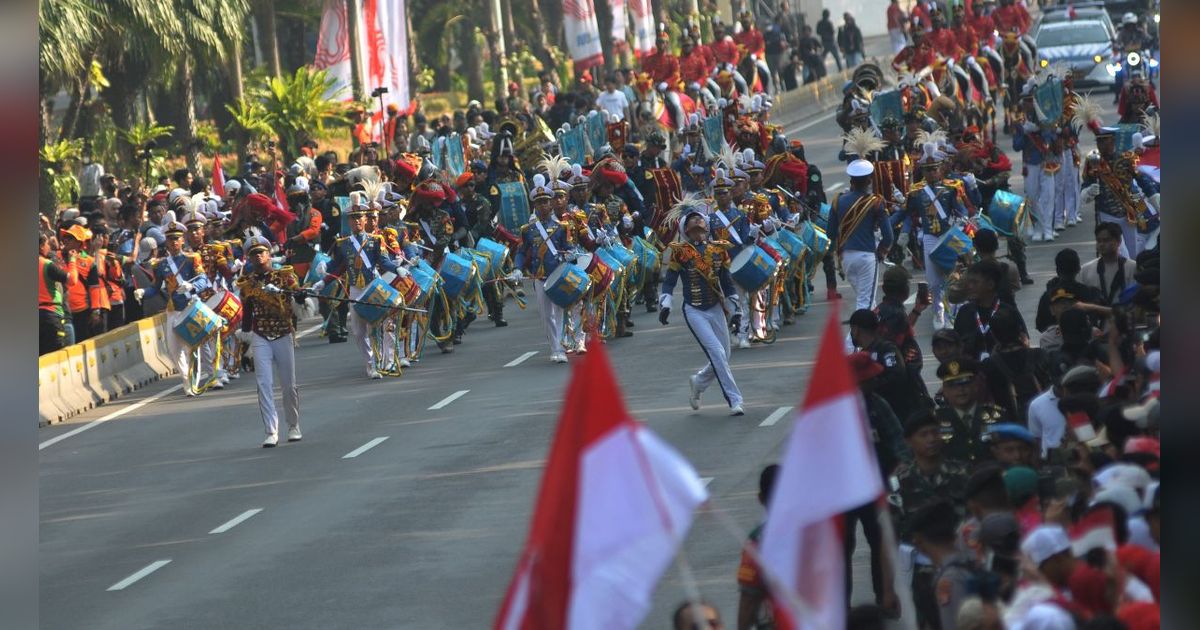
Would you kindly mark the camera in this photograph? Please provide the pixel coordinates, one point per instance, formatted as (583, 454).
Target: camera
(379, 91)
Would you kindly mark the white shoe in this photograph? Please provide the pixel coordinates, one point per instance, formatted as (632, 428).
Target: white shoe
(235, 376)
(1036, 238)
(743, 343)
(737, 410)
(218, 384)
(1072, 222)
(373, 374)
(271, 441)
(694, 399)
(559, 357)
(189, 392)
(580, 347)
(294, 434)
(405, 363)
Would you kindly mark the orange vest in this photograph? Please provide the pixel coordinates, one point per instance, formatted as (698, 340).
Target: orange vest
(77, 293)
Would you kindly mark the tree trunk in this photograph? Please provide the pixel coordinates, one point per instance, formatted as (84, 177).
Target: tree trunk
(604, 22)
(47, 203)
(414, 61)
(540, 43)
(270, 41)
(510, 31)
(187, 91)
(352, 35)
(470, 53)
(67, 128)
(496, 42)
(120, 98)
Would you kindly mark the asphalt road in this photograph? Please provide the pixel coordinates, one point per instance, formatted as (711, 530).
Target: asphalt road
(422, 529)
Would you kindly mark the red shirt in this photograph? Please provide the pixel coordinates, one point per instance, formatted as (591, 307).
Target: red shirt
(725, 51)
(967, 38)
(914, 58)
(693, 67)
(895, 17)
(662, 66)
(753, 41)
(1013, 16)
(920, 14)
(944, 41)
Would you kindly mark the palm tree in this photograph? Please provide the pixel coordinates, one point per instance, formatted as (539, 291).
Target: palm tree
(66, 30)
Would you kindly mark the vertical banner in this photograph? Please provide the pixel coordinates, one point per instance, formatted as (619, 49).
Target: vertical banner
(573, 145)
(643, 27)
(333, 49)
(583, 34)
(597, 132)
(619, 43)
(514, 205)
(382, 47)
(455, 158)
(395, 35)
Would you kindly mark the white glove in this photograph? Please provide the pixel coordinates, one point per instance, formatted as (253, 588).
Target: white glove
(193, 301)
(320, 284)
(403, 272)
(627, 222)
(1089, 193)
(897, 196)
(184, 287)
(138, 294)
(1029, 127)
(236, 266)
(969, 178)
(636, 214)
(516, 275)
(270, 288)
(753, 230)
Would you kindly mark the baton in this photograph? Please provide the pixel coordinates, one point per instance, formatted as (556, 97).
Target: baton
(308, 293)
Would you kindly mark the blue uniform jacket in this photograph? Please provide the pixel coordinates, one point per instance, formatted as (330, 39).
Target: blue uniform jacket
(1030, 154)
(699, 291)
(534, 255)
(347, 261)
(863, 237)
(739, 224)
(166, 281)
(920, 207)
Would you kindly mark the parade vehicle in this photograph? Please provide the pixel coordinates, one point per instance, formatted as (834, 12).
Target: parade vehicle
(1085, 46)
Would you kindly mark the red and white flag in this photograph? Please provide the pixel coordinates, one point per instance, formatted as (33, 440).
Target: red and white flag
(1094, 531)
(615, 504)
(828, 468)
(218, 177)
(582, 33)
(619, 45)
(280, 194)
(643, 27)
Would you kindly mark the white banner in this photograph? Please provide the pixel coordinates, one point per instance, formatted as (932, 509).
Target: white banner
(382, 51)
(643, 27)
(618, 26)
(583, 33)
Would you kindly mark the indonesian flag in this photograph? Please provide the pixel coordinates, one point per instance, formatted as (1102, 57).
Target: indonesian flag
(1094, 531)
(582, 33)
(643, 27)
(828, 468)
(615, 503)
(619, 43)
(280, 195)
(218, 177)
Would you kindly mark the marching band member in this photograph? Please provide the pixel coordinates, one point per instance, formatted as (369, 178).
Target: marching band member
(219, 272)
(853, 219)
(544, 243)
(934, 205)
(708, 296)
(171, 279)
(359, 258)
(268, 320)
(1110, 180)
(730, 225)
(1040, 155)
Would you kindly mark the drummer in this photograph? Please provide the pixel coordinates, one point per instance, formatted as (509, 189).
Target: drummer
(575, 220)
(220, 274)
(358, 259)
(172, 275)
(935, 206)
(544, 244)
(708, 296)
(730, 225)
(268, 317)
(853, 219)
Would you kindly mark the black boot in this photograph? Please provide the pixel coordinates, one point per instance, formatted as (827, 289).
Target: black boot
(1016, 252)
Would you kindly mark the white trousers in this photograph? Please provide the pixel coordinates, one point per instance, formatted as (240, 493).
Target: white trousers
(552, 317)
(360, 329)
(1039, 197)
(1129, 236)
(180, 352)
(898, 40)
(743, 332)
(860, 272)
(279, 354)
(711, 330)
(1066, 191)
(935, 277)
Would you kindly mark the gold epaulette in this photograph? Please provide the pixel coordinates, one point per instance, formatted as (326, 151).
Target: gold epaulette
(724, 245)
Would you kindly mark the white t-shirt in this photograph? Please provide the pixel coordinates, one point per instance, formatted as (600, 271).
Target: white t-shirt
(1046, 422)
(89, 180)
(613, 102)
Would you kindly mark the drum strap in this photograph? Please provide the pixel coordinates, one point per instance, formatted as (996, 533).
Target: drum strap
(362, 252)
(732, 232)
(546, 238)
(936, 204)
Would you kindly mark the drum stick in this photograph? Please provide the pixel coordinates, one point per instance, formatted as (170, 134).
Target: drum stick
(307, 293)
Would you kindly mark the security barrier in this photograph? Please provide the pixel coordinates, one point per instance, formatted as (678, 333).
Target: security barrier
(105, 367)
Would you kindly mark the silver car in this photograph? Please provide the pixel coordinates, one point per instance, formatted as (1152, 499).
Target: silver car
(1084, 45)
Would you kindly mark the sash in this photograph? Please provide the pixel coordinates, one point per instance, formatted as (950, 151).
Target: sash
(173, 266)
(361, 252)
(732, 232)
(936, 204)
(428, 231)
(854, 217)
(546, 238)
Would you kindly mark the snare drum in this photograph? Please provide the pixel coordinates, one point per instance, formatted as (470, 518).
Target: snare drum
(623, 254)
(229, 306)
(378, 301)
(316, 270)
(752, 268)
(496, 253)
(198, 324)
(1007, 212)
(953, 244)
(567, 285)
(822, 219)
(335, 289)
(409, 290)
(646, 254)
(612, 261)
(793, 244)
(425, 283)
(456, 272)
(775, 250)
(598, 271)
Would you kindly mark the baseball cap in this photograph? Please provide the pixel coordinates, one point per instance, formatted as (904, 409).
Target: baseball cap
(1142, 444)
(1045, 542)
(1122, 496)
(1081, 375)
(918, 420)
(1063, 294)
(863, 318)
(864, 367)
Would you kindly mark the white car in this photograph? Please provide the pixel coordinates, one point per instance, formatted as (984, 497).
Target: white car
(1084, 45)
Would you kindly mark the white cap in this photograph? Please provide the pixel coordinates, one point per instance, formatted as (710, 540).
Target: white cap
(175, 194)
(860, 168)
(232, 186)
(1122, 474)
(1044, 542)
(1046, 616)
(1122, 496)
